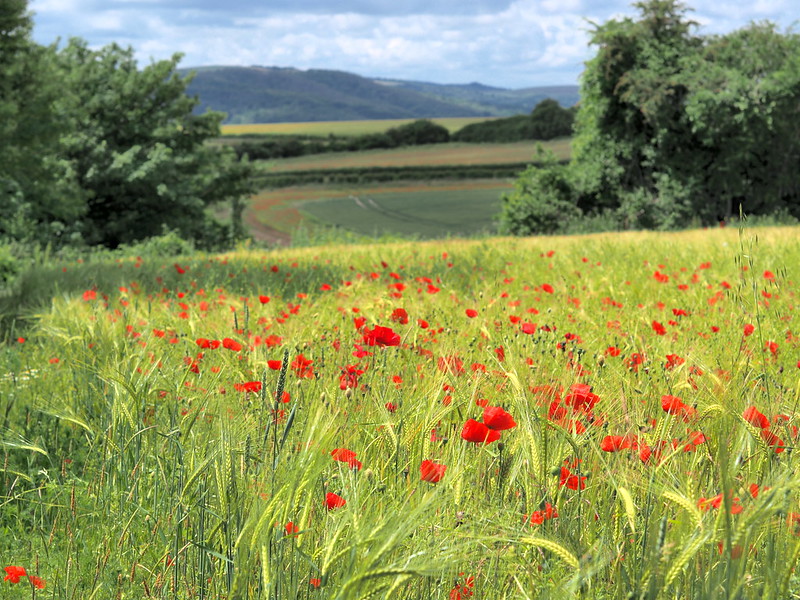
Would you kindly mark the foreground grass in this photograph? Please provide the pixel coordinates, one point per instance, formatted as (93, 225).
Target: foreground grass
(171, 429)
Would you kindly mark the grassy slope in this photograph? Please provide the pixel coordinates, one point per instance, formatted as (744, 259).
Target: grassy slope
(134, 468)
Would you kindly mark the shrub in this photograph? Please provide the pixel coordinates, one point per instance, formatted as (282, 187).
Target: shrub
(9, 265)
(542, 202)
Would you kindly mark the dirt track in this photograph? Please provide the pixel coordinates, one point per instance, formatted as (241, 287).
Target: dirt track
(265, 233)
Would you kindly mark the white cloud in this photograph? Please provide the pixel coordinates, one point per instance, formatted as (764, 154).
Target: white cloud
(515, 44)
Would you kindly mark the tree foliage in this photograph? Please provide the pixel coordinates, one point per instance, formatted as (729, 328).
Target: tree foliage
(675, 129)
(35, 187)
(548, 120)
(100, 151)
(138, 152)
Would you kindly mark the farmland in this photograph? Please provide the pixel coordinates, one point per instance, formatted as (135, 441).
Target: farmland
(460, 203)
(469, 204)
(604, 416)
(454, 154)
(325, 128)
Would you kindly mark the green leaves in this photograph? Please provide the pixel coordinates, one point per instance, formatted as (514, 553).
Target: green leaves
(138, 149)
(676, 129)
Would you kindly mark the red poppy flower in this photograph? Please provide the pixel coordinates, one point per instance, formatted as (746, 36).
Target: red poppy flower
(614, 443)
(230, 344)
(349, 376)
(291, 528)
(14, 573)
(752, 415)
(431, 471)
(36, 582)
(675, 406)
(772, 440)
(263, 299)
(581, 398)
(381, 336)
(571, 480)
(333, 501)
(540, 516)
(673, 360)
(302, 367)
(347, 456)
(399, 315)
(250, 386)
(494, 417)
(471, 313)
(479, 433)
(315, 582)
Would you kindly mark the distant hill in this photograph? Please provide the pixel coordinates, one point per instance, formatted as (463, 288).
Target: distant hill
(284, 95)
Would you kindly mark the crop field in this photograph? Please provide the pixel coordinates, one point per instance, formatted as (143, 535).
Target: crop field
(428, 212)
(432, 154)
(446, 207)
(325, 128)
(596, 417)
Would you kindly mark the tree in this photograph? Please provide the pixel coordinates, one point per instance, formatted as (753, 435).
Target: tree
(417, 133)
(549, 120)
(37, 198)
(674, 128)
(139, 153)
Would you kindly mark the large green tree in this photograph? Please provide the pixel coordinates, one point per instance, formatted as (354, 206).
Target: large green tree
(37, 198)
(674, 128)
(138, 151)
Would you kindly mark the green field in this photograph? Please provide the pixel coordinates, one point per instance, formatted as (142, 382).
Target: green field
(585, 418)
(284, 210)
(433, 154)
(427, 213)
(426, 208)
(344, 128)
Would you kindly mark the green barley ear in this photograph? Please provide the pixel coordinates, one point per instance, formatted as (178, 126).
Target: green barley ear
(568, 557)
(688, 552)
(687, 505)
(630, 508)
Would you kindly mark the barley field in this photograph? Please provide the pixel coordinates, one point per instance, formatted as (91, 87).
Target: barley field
(605, 416)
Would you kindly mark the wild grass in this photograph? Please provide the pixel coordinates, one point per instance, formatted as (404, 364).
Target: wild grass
(140, 461)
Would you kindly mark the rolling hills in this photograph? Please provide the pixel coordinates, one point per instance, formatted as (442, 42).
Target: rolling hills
(277, 94)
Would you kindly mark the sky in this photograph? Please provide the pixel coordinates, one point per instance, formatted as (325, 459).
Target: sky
(504, 43)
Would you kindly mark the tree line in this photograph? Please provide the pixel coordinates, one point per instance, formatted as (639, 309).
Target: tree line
(547, 121)
(673, 129)
(99, 152)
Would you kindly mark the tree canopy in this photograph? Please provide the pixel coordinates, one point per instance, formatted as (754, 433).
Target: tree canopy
(674, 128)
(99, 151)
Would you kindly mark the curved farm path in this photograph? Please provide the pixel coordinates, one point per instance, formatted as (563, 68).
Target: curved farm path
(265, 233)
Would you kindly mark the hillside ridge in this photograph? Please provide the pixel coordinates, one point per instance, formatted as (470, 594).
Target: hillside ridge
(263, 94)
